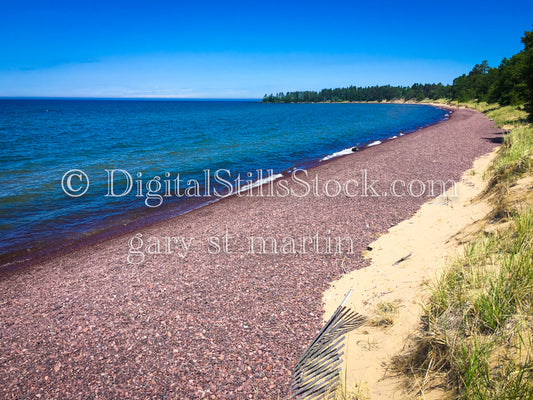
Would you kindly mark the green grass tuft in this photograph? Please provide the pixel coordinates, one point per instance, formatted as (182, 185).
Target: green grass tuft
(477, 335)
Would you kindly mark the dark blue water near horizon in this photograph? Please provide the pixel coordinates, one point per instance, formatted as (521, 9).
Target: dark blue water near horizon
(43, 139)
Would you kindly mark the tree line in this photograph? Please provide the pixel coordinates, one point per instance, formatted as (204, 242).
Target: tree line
(511, 83)
(372, 93)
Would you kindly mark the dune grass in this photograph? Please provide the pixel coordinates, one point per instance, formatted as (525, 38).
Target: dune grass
(476, 339)
(516, 155)
(385, 314)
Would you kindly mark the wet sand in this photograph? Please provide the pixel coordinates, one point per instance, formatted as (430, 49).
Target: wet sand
(212, 320)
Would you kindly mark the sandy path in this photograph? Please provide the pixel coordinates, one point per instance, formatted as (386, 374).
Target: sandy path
(427, 242)
(227, 325)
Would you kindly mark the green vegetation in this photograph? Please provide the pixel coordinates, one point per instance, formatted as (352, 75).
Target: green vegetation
(511, 83)
(477, 334)
(373, 93)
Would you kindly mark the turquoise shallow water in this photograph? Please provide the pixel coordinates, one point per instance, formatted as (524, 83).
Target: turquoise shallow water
(43, 139)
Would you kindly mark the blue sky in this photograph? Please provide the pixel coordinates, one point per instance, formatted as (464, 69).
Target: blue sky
(244, 49)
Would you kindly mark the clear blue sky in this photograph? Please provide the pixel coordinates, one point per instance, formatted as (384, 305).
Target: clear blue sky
(244, 49)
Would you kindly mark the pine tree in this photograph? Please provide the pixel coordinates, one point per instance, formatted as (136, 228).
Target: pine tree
(527, 72)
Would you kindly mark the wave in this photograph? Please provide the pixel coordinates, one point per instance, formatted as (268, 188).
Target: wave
(337, 154)
(259, 182)
(350, 150)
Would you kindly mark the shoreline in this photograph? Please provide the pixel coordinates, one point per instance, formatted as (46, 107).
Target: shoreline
(225, 324)
(17, 259)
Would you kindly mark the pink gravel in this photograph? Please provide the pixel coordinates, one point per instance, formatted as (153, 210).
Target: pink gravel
(220, 326)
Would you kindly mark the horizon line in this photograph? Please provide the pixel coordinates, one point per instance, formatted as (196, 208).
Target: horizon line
(131, 98)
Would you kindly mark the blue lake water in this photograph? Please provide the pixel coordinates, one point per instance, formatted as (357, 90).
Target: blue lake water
(43, 139)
